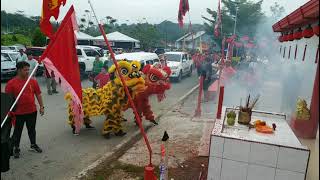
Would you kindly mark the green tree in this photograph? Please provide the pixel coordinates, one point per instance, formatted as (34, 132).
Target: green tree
(277, 11)
(38, 39)
(249, 14)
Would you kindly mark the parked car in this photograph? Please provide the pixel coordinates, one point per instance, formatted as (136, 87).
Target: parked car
(117, 50)
(15, 48)
(36, 53)
(180, 64)
(86, 56)
(13, 54)
(143, 57)
(5, 48)
(100, 50)
(8, 67)
(159, 51)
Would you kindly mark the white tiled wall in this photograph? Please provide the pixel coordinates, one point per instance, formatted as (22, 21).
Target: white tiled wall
(292, 159)
(233, 170)
(288, 175)
(236, 150)
(264, 154)
(216, 148)
(232, 159)
(256, 172)
(215, 168)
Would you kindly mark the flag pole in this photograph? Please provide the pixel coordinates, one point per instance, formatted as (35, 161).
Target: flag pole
(20, 93)
(138, 119)
(190, 26)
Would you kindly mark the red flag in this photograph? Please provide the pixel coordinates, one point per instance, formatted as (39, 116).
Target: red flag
(49, 8)
(60, 57)
(218, 22)
(183, 8)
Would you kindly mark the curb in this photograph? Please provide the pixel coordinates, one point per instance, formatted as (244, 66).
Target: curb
(124, 146)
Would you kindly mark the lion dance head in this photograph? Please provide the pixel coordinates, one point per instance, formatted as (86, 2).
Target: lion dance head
(157, 80)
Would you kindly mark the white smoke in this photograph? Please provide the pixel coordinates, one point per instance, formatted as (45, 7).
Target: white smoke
(279, 82)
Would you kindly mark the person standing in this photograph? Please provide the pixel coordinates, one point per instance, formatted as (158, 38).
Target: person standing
(206, 72)
(97, 66)
(26, 111)
(51, 83)
(21, 56)
(32, 62)
(103, 77)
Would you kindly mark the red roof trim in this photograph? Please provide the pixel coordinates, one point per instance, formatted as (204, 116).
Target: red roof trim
(306, 14)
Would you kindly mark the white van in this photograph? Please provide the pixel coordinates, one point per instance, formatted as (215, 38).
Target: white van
(143, 57)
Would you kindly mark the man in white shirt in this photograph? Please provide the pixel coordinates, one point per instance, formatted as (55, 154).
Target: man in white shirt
(32, 62)
(21, 56)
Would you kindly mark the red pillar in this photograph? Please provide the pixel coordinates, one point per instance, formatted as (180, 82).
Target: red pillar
(308, 129)
(220, 102)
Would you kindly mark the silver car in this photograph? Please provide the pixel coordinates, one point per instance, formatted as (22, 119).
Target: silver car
(8, 67)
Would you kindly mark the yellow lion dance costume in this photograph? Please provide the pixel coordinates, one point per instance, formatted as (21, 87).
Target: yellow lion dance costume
(111, 99)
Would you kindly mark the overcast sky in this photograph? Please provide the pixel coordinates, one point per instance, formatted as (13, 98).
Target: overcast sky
(132, 11)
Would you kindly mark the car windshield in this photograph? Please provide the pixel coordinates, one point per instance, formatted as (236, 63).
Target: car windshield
(173, 57)
(5, 48)
(14, 56)
(5, 57)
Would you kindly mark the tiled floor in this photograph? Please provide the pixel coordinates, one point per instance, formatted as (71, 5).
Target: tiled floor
(313, 170)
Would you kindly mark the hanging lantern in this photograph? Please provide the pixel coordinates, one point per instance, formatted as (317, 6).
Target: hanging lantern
(316, 29)
(298, 34)
(290, 36)
(285, 37)
(280, 38)
(308, 32)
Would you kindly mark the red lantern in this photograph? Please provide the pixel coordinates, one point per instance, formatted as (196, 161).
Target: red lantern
(290, 36)
(285, 37)
(316, 29)
(308, 32)
(280, 38)
(297, 35)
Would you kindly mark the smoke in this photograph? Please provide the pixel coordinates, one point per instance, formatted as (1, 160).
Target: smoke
(279, 81)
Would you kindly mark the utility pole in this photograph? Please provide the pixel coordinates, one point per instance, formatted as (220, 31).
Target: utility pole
(235, 21)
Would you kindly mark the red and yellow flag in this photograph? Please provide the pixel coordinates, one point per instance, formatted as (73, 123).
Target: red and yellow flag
(49, 8)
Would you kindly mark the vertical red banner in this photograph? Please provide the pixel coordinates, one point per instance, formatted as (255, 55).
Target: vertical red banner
(220, 102)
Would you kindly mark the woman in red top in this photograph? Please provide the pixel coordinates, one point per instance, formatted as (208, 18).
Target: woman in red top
(26, 110)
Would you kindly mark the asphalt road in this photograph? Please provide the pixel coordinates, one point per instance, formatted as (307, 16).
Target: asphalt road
(64, 155)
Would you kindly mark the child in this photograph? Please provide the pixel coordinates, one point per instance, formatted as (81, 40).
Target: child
(103, 77)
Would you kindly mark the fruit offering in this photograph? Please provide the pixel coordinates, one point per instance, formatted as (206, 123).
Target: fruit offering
(262, 127)
(231, 118)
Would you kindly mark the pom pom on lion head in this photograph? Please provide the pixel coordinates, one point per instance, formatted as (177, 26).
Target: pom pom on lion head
(157, 80)
(130, 73)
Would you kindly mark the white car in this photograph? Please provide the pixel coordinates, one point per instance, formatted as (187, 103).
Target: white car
(8, 66)
(86, 57)
(143, 57)
(13, 54)
(180, 64)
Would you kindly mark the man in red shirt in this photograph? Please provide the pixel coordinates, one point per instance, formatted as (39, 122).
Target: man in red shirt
(26, 110)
